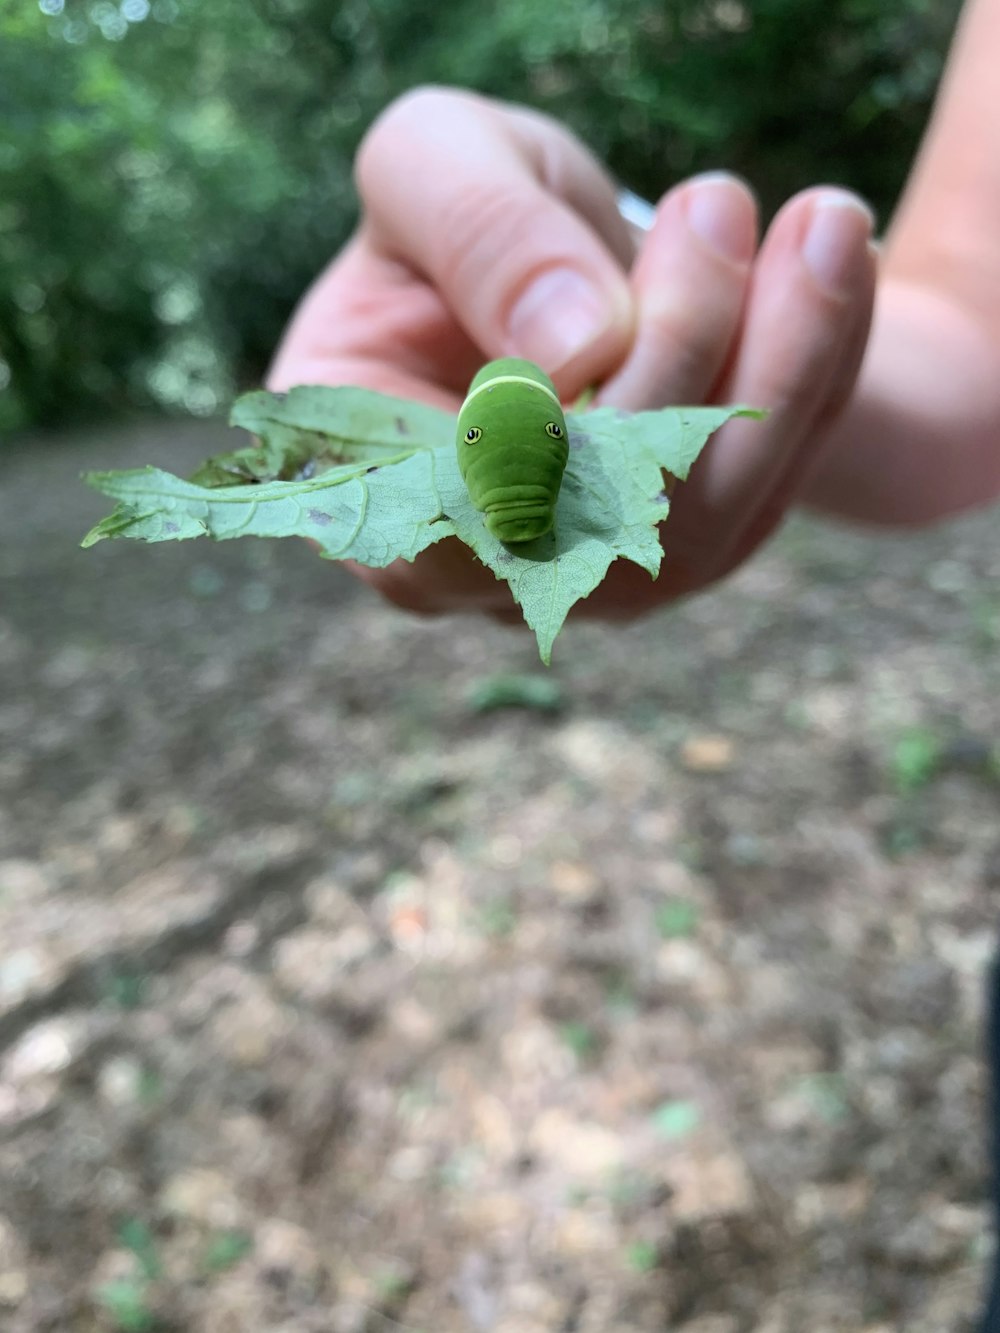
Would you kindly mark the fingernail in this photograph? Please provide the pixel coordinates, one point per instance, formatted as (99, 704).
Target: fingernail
(720, 214)
(840, 228)
(560, 314)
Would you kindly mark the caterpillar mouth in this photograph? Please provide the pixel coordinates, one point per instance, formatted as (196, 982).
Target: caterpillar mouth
(520, 523)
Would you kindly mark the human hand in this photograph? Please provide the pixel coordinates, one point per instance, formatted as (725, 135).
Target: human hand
(487, 230)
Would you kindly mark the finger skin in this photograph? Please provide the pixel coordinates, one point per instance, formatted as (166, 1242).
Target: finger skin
(368, 320)
(690, 282)
(799, 353)
(800, 350)
(422, 297)
(473, 210)
(569, 171)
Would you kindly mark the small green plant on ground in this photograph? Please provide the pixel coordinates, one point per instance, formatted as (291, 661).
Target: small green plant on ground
(915, 759)
(676, 919)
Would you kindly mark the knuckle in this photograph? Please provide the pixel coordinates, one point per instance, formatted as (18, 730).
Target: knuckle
(485, 232)
(407, 115)
(688, 342)
(473, 219)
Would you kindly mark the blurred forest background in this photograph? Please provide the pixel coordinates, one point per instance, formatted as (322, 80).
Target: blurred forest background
(173, 173)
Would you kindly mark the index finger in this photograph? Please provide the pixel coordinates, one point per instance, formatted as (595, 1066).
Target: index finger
(515, 225)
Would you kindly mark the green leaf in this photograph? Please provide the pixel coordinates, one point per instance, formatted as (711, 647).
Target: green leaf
(126, 1301)
(539, 694)
(375, 479)
(341, 422)
(580, 1038)
(642, 1256)
(498, 918)
(353, 511)
(136, 1236)
(676, 919)
(676, 1120)
(915, 759)
(225, 1249)
(825, 1092)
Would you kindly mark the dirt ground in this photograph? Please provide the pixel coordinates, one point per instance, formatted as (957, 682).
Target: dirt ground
(334, 999)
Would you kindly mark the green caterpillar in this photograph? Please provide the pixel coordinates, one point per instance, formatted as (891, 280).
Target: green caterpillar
(512, 448)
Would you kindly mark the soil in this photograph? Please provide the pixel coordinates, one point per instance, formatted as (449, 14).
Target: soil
(336, 997)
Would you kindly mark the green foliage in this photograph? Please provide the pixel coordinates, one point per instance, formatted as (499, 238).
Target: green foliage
(825, 1093)
(161, 208)
(374, 479)
(173, 174)
(392, 1284)
(125, 989)
(136, 1236)
(676, 919)
(498, 918)
(915, 759)
(539, 694)
(985, 616)
(580, 1038)
(642, 1256)
(225, 1249)
(903, 836)
(150, 1087)
(676, 1120)
(619, 996)
(126, 1300)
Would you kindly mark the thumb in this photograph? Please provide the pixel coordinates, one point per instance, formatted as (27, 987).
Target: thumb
(458, 190)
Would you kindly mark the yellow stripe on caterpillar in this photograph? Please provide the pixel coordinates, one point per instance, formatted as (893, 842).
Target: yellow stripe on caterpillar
(511, 379)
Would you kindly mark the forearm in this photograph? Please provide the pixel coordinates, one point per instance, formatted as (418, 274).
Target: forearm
(921, 437)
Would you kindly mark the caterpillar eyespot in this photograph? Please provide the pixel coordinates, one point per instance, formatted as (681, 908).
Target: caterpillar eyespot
(515, 472)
